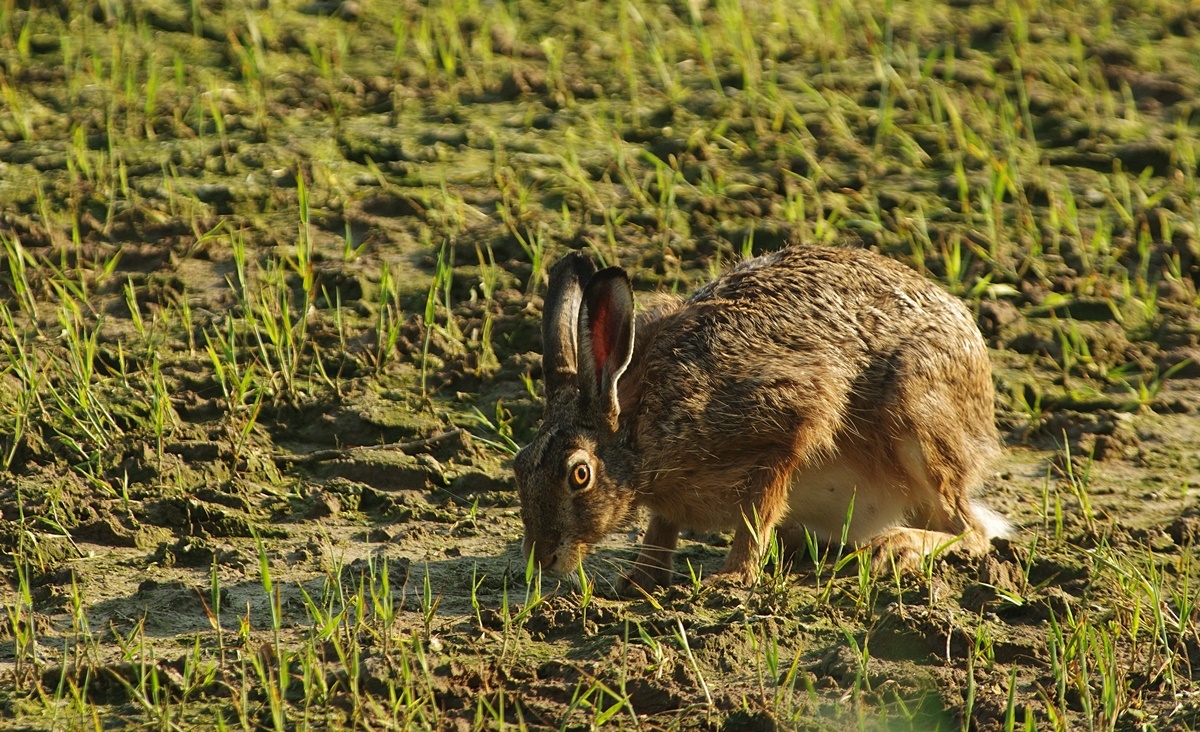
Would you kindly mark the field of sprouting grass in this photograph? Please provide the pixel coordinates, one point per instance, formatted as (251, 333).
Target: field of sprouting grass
(270, 283)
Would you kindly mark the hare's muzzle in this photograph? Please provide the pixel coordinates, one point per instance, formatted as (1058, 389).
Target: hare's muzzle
(550, 556)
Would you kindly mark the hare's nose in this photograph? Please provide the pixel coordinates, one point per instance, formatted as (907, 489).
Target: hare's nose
(548, 560)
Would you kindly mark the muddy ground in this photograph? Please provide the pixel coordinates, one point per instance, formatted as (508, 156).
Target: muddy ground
(272, 285)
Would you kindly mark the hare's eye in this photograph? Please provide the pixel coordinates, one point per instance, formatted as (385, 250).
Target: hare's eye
(581, 476)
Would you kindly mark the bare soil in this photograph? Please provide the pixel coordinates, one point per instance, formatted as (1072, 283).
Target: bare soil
(393, 460)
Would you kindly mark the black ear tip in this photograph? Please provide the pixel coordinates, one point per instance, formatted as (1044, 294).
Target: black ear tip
(610, 277)
(610, 273)
(577, 263)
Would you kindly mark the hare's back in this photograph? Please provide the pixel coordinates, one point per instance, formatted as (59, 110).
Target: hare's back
(803, 336)
(818, 300)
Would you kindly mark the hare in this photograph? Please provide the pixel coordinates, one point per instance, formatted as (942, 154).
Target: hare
(830, 389)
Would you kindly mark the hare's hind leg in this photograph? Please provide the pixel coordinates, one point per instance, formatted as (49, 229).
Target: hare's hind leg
(939, 473)
(905, 548)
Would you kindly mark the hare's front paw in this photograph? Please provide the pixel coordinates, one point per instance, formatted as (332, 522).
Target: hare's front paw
(738, 576)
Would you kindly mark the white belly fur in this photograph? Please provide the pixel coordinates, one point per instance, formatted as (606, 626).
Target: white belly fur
(819, 498)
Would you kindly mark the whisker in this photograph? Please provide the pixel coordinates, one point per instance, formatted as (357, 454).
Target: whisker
(633, 563)
(610, 586)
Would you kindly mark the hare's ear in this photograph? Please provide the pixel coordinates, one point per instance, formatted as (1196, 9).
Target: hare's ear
(605, 343)
(560, 318)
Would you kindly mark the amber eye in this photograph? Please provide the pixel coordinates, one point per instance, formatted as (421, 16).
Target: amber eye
(581, 475)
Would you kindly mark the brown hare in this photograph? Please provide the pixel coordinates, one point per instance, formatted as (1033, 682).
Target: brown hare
(775, 395)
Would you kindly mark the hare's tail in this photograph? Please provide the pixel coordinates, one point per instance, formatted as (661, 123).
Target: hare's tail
(994, 525)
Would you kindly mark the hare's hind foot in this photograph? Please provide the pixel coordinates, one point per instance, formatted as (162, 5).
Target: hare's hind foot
(904, 549)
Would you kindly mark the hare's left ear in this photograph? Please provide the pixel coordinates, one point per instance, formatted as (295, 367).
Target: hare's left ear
(605, 343)
(560, 320)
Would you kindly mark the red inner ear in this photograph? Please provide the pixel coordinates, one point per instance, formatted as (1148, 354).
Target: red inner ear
(600, 323)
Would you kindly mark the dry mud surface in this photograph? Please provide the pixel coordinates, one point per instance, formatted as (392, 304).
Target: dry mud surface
(271, 283)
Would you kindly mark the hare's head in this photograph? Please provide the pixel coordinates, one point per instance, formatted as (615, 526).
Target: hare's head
(574, 478)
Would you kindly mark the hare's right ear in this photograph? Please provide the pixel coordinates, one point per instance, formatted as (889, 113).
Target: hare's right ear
(560, 319)
(605, 343)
